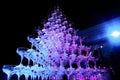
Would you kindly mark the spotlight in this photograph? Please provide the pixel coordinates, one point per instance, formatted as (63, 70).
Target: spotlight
(115, 34)
(114, 37)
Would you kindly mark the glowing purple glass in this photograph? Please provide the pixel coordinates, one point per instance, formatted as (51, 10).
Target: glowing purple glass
(56, 46)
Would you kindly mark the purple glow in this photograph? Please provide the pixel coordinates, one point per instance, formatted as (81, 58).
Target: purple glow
(56, 46)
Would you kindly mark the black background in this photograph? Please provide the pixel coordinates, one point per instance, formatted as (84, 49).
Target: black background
(18, 19)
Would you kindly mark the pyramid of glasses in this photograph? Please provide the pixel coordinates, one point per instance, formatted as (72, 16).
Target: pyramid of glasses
(55, 46)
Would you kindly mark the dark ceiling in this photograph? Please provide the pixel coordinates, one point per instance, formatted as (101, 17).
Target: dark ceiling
(82, 14)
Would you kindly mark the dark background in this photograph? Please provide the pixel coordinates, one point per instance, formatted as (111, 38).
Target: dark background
(19, 19)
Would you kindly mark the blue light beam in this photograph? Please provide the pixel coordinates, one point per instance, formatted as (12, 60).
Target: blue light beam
(113, 32)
